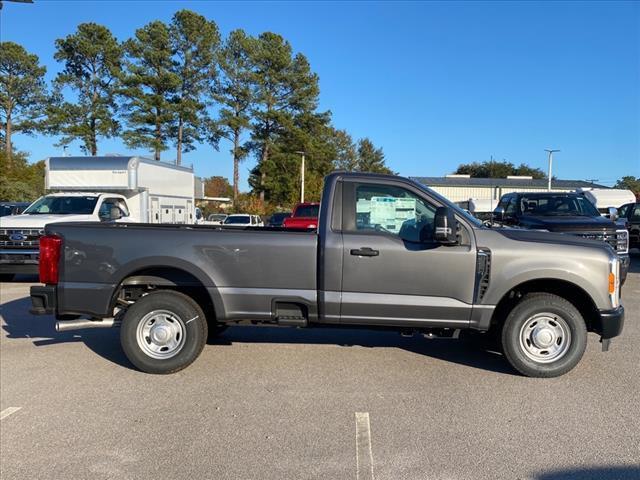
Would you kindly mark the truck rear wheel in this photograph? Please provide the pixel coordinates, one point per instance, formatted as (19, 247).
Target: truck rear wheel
(163, 332)
(544, 336)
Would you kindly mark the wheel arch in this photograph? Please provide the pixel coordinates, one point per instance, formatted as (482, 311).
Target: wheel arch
(571, 292)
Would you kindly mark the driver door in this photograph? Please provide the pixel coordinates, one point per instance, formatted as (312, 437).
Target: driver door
(394, 273)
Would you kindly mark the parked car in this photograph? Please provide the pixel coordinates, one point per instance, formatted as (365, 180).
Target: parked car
(19, 234)
(630, 213)
(305, 215)
(388, 252)
(243, 220)
(12, 208)
(277, 219)
(569, 213)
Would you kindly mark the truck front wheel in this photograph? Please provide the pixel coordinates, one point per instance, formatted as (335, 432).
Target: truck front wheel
(544, 336)
(163, 332)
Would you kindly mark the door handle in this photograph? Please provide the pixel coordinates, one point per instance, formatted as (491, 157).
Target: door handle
(365, 252)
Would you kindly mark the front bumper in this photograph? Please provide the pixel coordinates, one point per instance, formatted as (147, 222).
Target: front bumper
(43, 300)
(609, 323)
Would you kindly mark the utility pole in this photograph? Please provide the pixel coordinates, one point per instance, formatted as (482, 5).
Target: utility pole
(550, 152)
(301, 177)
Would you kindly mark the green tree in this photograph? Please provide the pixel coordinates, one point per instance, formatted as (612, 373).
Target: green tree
(494, 169)
(234, 93)
(217, 186)
(194, 43)
(92, 60)
(346, 154)
(285, 86)
(629, 182)
(149, 88)
(23, 94)
(24, 182)
(370, 158)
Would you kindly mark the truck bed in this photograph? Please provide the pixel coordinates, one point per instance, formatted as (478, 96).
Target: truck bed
(243, 268)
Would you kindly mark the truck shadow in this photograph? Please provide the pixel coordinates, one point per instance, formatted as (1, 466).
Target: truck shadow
(105, 342)
(467, 353)
(19, 323)
(623, 472)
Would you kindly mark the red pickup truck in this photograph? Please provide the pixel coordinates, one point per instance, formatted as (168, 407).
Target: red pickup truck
(305, 215)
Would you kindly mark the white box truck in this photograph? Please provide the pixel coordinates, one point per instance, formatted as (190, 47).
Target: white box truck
(85, 189)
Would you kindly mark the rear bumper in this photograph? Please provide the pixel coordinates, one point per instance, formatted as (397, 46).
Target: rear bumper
(609, 323)
(43, 300)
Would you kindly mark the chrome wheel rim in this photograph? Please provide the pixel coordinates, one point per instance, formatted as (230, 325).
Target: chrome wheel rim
(161, 334)
(545, 337)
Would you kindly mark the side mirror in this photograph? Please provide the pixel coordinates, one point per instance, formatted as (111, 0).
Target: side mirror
(613, 214)
(498, 214)
(445, 226)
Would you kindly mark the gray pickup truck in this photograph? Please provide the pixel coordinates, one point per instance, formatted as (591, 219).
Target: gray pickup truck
(388, 253)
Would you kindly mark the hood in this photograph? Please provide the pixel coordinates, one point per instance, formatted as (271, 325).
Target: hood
(567, 224)
(39, 221)
(551, 238)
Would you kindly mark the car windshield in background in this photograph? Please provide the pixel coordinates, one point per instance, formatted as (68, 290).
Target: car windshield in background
(237, 220)
(63, 206)
(307, 211)
(217, 217)
(280, 216)
(557, 205)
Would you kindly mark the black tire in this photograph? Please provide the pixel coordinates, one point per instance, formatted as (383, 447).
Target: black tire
(523, 319)
(7, 277)
(185, 316)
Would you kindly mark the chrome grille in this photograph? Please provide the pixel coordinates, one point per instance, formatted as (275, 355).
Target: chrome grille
(20, 238)
(618, 240)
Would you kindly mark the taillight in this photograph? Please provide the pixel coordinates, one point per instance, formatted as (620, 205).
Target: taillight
(50, 246)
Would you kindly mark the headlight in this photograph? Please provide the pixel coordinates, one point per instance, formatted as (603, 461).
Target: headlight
(622, 241)
(614, 282)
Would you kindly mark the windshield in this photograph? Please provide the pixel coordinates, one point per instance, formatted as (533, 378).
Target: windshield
(63, 206)
(237, 220)
(307, 211)
(557, 205)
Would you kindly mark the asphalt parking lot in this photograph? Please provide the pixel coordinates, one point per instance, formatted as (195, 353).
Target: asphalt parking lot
(269, 403)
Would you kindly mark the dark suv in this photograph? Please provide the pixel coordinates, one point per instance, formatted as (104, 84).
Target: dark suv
(564, 213)
(630, 213)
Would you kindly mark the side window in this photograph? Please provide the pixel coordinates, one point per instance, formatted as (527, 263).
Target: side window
(391, 209)
(510, 209)
(105, 208)
(636, 213)
(504, 201)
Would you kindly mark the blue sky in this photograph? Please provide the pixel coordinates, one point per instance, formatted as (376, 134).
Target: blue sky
(434, 84)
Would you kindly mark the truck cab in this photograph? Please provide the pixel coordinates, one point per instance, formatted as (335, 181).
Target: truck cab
(19, 234)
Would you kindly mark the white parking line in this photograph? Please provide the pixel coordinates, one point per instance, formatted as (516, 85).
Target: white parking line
(364, 454)
(8, 411)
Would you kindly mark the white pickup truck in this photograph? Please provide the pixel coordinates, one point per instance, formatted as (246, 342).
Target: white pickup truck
(20, 234)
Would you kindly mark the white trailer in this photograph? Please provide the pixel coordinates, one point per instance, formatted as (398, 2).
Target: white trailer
(156, 192)
(605, 198)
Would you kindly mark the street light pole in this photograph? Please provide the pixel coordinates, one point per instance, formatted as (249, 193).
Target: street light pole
(550, 152)
(302, 177)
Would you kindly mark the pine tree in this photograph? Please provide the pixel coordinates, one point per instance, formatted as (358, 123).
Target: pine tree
(23, 93)
(234, 92)
(150, 86)
(92, 59)
(370, 158)
(194, 44)
(285, 87)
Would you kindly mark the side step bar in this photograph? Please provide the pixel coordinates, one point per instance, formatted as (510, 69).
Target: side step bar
(83, 323)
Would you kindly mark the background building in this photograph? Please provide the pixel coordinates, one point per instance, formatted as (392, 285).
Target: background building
(459, 188)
